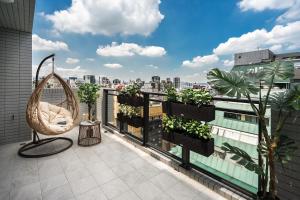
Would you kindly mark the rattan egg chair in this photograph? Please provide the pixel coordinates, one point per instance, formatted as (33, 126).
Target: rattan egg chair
(49, 119)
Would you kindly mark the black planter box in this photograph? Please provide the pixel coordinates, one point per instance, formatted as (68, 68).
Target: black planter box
(133, 121)
(200, 146)
(131, 101)
(204, 113)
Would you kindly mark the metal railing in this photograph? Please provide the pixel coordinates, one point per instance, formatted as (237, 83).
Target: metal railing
(150, 137)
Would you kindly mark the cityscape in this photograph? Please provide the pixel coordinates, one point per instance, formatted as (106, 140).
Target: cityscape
(249, 62)
(149, 100)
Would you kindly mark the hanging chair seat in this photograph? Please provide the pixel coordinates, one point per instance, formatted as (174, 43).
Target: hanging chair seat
(55, 118)
(49, 119)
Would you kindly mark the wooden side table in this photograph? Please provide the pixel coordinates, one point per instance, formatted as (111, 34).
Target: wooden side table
(89, 133)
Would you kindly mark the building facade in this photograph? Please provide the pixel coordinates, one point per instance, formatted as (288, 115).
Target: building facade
(89, 79)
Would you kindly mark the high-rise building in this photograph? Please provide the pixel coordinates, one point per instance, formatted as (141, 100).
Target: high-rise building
(116, 81)
(89, 79)
(140, 82)
(177, 82)
(156, 79)
(72, 81)
(105, 81)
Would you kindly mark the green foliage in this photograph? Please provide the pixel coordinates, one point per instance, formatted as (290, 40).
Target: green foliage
(191, 128)
(242, 158)
(232, 84)
(277, 70)
(294, 97)
(131, 90)
(285, 149)
(130, 111)
(88, 93)
(275, 146)
(197, 97)
(171, 93)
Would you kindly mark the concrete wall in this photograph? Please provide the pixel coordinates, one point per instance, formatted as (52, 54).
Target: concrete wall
(15, 84)
(289, 177)
(253, 57)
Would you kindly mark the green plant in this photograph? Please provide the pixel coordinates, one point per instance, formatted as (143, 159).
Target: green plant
(88, 93)
(171, 93)
(130, 111)
(197, 97)
(273, 146)
(191, 128)
(131, 90)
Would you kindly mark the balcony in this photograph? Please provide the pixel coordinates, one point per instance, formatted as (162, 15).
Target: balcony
(113, 169)
(135, 160)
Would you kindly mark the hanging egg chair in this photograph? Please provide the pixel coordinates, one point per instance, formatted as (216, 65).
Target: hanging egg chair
(49, 119)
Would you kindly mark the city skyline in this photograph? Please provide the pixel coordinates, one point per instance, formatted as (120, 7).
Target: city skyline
(165, 44)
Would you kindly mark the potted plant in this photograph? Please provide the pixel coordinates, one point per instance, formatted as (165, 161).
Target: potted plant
(130, 95)
(274, 146)
(191, 134)
(190, 104)
(88, 93)
(130, 115)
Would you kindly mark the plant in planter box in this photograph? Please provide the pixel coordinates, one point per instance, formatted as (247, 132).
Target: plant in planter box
(172, 95)
(197, 97)
(130, 95)
(131, 115)
(88, 93)
(130, 111)
(190, 103)
(274, 147)
(192, 134)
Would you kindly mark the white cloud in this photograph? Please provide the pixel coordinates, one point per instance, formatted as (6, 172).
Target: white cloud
(72, 60)
(108, 17)
(152, 66)
(292, 8)
(63, 72)
(113, 65)
(40, 44)
(280, 37)
(90, 59)
(67, 72)
(228, 63)
(201, 61)
(130, 49)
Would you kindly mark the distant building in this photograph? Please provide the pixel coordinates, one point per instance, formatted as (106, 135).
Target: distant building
(177, 82)
(140, 82)
(72, 81)
(104, 81)
(89, 79)
(254, 61)
(116, 81)
(155, 79)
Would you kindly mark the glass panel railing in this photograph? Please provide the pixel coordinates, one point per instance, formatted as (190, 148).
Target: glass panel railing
(155, 131)
(235, 123)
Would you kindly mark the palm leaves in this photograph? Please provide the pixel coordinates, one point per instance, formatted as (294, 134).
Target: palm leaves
(278, 71)
(233, 84)
(285, 149)
(242, 158)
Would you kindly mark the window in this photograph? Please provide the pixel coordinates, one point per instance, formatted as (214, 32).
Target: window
(242, 117)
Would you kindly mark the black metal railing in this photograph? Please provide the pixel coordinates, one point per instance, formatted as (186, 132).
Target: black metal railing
(150, 134)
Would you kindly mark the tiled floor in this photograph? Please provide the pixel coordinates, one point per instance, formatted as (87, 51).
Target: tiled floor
(111, 170)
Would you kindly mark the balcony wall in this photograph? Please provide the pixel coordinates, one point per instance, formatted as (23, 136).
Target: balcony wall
(15, 84)
(289, 176)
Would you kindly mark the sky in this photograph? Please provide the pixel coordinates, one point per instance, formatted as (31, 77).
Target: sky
(129, 39)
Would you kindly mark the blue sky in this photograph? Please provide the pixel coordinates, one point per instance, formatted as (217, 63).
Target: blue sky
(131, 39)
